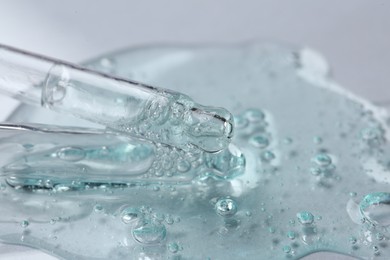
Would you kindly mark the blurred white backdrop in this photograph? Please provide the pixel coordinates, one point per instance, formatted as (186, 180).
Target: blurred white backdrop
(354, 35)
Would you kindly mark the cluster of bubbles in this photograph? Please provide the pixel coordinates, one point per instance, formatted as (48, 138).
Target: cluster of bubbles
(323, 168)
(174, 119)
(254, 128)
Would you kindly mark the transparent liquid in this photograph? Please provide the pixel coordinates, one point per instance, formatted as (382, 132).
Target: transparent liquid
(316, 172)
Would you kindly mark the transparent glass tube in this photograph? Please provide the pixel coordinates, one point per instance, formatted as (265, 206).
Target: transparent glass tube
(128, 107)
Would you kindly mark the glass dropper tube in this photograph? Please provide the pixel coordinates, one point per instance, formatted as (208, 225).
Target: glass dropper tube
(122, 105)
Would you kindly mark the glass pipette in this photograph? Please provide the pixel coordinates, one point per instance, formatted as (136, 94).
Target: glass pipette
(122, 105)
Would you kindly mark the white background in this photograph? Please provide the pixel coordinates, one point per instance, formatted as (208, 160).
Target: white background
(354, 35)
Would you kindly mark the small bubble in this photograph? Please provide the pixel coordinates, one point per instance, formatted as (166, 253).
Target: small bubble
(169, 219)
(254, 115)
(286, 249)
(267, 156)
(24, 223)
(291, 235)
(130, 215)
(287, 140)
(150, 233)
(223, 231)
(317, 140)
(240, 122)
(322, 159)
(159, 217)
(28, 146)
(177, 219)
(352, 194)
(259, 141)
(183, 166)
(315, 171)
(352, 240)
(226, 207)
(379, 236)
(305, 218)
(173, 247)
(98, 208)
(272, 230)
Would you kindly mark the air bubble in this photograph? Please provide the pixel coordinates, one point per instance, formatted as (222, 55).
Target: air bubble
(291, 235)
(379, 236)
(254, 115)
(286, 249)
(173, 247)
(98, 208)
(150, 233)
(226, 207)
(305, 218)
(352, 240)
(183, 166)
(131, 215)
(322, 160)
(24, 223)
(267, 156)
(259, 141)
(315, 171)
(287, 140)
(240, 122)
(317, 140)
(28, 146)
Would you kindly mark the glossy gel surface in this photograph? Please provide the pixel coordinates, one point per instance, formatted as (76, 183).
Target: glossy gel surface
(316, 172)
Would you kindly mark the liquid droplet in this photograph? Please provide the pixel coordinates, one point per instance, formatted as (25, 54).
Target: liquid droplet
(375, 207)
(305, 218)
(226, 207)
(150, 233)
